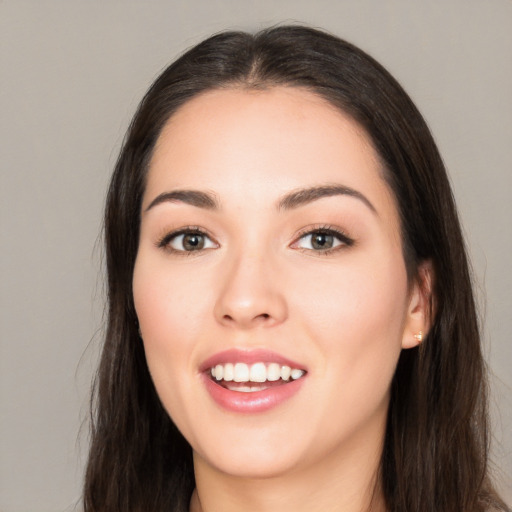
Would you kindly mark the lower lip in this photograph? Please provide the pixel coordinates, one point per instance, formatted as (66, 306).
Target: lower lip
(253, 402)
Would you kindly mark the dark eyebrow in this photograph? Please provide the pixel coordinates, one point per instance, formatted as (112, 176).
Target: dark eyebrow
(193, 197)
(304, 196)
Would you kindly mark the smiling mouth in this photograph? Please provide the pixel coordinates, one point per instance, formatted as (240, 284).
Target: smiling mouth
(246, 378)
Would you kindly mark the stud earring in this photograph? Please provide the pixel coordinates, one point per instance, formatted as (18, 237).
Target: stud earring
(419, 337)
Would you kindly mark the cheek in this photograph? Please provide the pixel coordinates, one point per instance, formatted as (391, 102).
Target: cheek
(168, 307)
(356, 314)
(354, 297)
(356, 320)
(168, 303)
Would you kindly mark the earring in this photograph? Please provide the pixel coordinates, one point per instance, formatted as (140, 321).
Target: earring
(419, 337)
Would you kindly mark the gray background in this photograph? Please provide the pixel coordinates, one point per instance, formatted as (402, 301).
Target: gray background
(72, 73)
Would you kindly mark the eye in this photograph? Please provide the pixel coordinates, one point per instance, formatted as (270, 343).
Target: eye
(323, 240)
(189, 240)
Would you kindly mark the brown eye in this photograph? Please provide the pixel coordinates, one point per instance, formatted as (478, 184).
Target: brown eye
(189, 241)
(323, 240)
(193, 242)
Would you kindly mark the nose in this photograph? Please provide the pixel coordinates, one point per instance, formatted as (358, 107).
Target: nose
(251, 295)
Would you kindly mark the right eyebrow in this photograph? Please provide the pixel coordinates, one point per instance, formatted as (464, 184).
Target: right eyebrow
(192, 197)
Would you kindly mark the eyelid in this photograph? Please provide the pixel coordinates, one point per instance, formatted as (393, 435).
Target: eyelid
(164, 240)
(341, 235)
(345, 240)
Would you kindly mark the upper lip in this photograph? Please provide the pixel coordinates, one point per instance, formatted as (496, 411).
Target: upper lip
(246, 356)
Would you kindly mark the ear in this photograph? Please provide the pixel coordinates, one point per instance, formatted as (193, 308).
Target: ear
(421, 308)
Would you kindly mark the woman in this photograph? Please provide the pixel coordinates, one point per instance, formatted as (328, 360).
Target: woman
(291, 321)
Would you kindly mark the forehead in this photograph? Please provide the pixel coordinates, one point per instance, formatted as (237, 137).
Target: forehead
(256, 143)
(293, 114)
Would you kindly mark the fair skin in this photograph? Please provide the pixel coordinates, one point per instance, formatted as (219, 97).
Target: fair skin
(317, 278)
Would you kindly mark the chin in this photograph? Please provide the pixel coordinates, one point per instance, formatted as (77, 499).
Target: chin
(251, 464)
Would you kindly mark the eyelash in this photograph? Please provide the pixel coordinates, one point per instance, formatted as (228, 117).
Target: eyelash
(346, 241)
(164, 241)
(340, 235)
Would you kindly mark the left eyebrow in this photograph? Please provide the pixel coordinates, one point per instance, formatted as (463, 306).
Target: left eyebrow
(305, 196)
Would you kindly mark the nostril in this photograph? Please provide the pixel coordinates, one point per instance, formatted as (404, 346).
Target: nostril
(262, 317)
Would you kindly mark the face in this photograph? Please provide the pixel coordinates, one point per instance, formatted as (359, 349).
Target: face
(270, 284)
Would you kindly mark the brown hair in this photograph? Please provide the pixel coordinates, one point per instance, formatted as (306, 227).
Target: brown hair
(436, 444)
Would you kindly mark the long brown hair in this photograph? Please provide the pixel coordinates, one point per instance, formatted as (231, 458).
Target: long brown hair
(436, 442)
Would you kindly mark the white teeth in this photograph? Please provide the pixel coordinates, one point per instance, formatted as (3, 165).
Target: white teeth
(257, 372)
(241, 372)
(247, 389)
(297, 374)
(273, 372)
(244, 389)
(285, 372)
(229, 372)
